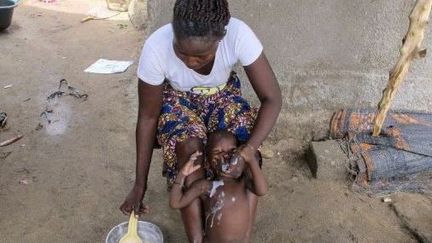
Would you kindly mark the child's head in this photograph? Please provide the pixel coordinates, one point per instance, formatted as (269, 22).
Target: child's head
(198, 27)
(221, 148)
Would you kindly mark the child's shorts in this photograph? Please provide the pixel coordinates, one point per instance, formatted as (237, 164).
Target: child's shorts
(187, 115)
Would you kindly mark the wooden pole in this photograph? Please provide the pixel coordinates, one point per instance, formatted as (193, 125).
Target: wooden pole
(411, 48)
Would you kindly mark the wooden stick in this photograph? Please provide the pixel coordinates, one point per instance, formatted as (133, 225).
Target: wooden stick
(411, 49)
(10, 141)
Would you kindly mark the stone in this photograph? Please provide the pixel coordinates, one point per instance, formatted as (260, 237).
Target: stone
(327, 161)
(266, 153)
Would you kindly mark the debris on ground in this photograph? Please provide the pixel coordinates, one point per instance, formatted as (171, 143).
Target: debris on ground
(23, 171)
(4, 155)
(45, 114)
(8, 86)
(24, 182)
(3, 119)
(28, 99)
(77, 93)
(95, 17)
(122, 26)
(10, 141)
(99, 13)
(63, 89)
(39, 127)
(104, 66)
(88, 18)
(387, 200)
(266, 152)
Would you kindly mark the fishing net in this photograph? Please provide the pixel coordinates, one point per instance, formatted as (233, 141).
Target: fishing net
(400, 159)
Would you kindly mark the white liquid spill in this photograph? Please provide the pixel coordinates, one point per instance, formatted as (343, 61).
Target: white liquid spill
(215, 186)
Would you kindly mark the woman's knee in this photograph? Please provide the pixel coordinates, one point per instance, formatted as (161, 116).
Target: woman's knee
(183, 152)
(187, 148)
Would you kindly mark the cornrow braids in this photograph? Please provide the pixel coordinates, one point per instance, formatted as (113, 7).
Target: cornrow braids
(200, 18)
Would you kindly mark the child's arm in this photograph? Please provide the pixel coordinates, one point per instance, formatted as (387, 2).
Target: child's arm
(259, 184)
(180, 198)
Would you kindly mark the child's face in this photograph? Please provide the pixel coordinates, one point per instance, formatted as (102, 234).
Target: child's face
(234, 170)
(220, 156)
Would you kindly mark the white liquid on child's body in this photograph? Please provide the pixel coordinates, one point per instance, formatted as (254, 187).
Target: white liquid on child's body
(235, 159)
(225, 167)
(215, 210)
(215, 186)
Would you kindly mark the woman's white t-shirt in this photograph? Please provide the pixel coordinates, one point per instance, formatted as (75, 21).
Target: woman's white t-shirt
(158, 61)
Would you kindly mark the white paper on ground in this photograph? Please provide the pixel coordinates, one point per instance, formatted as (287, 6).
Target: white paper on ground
(104, 66)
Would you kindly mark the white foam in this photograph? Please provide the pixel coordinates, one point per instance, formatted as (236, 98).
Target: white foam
(217, 207)
(215, 186)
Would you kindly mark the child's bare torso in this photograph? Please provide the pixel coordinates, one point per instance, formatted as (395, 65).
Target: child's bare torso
(227, 214)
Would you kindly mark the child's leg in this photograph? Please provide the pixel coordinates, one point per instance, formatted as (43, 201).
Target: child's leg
(253, 202)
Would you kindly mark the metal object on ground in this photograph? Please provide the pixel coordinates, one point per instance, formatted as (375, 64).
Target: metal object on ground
(147, 231)
(403, 150)
(65, 88)
(3, 119)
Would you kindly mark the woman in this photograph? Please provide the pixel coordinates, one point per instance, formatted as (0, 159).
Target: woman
(187, 90)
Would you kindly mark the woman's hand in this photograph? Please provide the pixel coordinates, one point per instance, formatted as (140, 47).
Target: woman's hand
(133, 201)
(189, 167)
(247, 152)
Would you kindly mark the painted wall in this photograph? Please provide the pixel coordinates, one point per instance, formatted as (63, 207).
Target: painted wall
(328, 55)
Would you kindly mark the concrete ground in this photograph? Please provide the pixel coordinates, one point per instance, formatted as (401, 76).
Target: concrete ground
(65, 181)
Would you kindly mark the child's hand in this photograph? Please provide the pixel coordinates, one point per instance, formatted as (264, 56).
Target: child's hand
(189, 167)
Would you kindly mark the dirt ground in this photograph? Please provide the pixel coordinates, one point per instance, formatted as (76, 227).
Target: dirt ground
(65, 181)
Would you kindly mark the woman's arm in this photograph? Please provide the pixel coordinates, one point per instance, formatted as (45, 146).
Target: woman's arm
(150, 102)
(266, 87)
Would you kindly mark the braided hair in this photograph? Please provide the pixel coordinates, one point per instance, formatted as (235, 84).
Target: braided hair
(200, 18)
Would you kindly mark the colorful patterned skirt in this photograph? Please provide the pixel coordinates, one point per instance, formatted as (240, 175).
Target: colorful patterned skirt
(187, 115)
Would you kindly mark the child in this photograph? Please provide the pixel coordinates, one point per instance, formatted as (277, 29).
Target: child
(226, 199)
